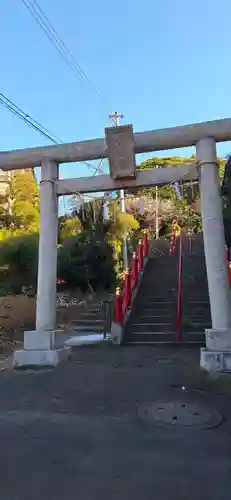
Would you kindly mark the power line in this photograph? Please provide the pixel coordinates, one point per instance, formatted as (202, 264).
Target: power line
(14, 109)
(47, 27)
(34, 124)
(52, 34)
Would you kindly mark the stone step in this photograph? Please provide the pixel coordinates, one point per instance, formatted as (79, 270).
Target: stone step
(195, 321)
(150, 302)
(153, 302)
(158, 298)
(153, 328)
(193, 311)
(190, 313)
(192, 326)
(198, 302)
(154, 318)
(147, 305)
(88, 328)
(196, 307)
(152, 337)
(199, 327)
(140, 317)
(87, 319)
(189, 301)
(155, 313)
(160, 338)
(91, 324)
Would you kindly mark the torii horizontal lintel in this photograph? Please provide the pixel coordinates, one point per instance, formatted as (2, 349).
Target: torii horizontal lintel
(144, 142)
(144, 178)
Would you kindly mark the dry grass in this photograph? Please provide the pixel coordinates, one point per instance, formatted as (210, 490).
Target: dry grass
(17, 312)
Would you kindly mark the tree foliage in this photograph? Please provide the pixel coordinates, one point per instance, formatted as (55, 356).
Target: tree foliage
(187, 209)
(85, 264)
(90, 247)
(68, 226)
(24, 196)
(91, 217)
(20, 255)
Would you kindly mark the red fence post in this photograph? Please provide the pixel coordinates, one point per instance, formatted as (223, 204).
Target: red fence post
(140, 256)
(145, 240)
(172, 240)
(127, 289)
(179, 294)
(118, 306)
(134, 269)
(228, 254)
(229, 272)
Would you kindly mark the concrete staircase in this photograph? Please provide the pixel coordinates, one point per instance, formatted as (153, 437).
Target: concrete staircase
(153, 318)
(90, 321)
(195, 301)
(86, 318)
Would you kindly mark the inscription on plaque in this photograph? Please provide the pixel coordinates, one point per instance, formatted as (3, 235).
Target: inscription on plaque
(121, 154)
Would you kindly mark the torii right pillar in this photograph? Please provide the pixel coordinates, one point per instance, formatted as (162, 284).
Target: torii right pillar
(216, 356)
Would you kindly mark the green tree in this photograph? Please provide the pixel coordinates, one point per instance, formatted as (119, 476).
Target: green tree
(84, 264)
(187, 209)
(68, 226)
(91, 216)
(97, 230)
(190, 190)
(24, 195)
(20, 255)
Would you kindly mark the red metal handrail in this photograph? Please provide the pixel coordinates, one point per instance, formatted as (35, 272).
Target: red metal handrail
(179, 293)
(228, 254)
(123, 297)
(228, 257)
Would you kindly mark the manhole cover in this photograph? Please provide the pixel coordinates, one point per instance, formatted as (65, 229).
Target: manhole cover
(180, 414)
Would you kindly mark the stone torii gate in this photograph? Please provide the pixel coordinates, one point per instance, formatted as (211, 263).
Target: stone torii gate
(45, 346)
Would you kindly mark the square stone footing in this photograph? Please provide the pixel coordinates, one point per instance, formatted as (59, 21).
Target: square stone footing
(43, 358)
(218, 339)
(42, 348)
(215, 361)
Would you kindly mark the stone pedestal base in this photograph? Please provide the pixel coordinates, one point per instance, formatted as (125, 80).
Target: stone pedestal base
(45, 358)
(216, 356)
(41, 349)
(215, 361)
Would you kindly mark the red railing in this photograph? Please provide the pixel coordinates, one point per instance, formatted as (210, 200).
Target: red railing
(123, 297)
(228, 257)
(228, 254)
(173, 239)
(176, 242)
(179, 291)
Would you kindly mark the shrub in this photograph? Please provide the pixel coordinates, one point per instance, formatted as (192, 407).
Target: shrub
(20, 255)
(84, 263)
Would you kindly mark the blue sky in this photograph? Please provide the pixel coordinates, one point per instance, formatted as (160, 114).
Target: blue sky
(162, 63)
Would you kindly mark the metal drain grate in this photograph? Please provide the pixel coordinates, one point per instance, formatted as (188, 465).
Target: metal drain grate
(180, 414)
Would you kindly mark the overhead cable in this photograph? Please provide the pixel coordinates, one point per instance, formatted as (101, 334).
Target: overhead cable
(52, 34)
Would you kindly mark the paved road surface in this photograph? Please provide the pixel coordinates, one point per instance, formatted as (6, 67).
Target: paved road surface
(75, 433)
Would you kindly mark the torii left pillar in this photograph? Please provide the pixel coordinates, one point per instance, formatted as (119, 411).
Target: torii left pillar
(45, 345)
